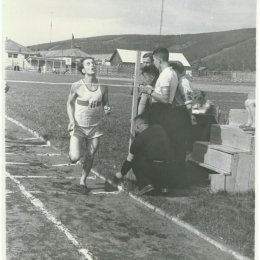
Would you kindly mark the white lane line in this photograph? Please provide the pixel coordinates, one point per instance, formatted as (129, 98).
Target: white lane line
(64, 192)
(34, 177)
(62, 164)
(175, 220)
(104, 192)
(84, 252)
(37, 154)
(28, 138)
(48, 154)
(16, 163)
(51, 177)
(28, 145)
(30, 131)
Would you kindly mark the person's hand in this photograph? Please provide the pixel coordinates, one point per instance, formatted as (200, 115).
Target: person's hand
(146, 89)
(189, 106)
(118, 175)
(107, 110)
(71, 126)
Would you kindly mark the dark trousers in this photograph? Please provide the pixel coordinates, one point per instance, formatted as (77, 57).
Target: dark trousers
(177, 124)
(148, 172)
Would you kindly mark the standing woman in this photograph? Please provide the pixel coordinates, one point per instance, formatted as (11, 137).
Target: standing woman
(86, 102)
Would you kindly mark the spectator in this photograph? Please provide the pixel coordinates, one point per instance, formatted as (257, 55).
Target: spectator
(150, 75)
(149, 157)
(201, 104)
(184, 91)
(206, 114)
(174, 120)
(183, 96)
(147, 61)
(250, 105)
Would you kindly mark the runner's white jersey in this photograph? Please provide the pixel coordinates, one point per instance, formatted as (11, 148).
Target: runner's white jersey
(84, 114)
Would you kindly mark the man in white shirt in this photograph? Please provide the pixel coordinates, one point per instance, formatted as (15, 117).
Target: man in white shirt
(174, 120)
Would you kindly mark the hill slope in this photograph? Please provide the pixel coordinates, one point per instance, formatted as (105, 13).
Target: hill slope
(236, 57)
(194, 46)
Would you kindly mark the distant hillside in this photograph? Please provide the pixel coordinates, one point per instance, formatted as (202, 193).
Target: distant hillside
(198, 48)
(240, 56)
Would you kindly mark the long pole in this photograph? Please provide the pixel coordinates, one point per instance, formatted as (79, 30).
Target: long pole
(161, 22)
(135, 96)
(51, 30)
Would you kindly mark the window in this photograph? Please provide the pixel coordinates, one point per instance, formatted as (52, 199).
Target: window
(10, 55)
(15, 55)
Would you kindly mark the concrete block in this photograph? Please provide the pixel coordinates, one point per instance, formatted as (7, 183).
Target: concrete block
(217, 182)
(231, 181)
(243, 173)
(217, 156)
(232, 136)
(237, 117)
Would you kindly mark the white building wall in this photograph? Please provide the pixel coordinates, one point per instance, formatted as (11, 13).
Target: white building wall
(19, 61)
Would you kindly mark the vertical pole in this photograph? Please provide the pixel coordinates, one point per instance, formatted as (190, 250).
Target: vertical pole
(135, 96)
(161, 22)
(51, 30)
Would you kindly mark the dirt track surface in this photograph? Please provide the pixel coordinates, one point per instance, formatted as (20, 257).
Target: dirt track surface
(107, 223)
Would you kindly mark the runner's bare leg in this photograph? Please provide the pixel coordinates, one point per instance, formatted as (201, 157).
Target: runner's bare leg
(91, 148)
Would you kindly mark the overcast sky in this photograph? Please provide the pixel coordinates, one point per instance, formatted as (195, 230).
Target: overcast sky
(28, 21)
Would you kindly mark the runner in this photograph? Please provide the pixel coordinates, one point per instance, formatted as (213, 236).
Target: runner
(85, 105)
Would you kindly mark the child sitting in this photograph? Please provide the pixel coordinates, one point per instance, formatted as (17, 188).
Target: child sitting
(201, 104)
(205, 114)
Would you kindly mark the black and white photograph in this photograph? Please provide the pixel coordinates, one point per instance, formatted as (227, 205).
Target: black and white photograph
(129, 130)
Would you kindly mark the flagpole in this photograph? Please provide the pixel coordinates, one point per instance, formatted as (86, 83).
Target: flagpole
(72, 41)
(51, 30)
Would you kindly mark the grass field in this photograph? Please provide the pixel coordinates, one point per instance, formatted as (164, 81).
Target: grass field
(42, 107)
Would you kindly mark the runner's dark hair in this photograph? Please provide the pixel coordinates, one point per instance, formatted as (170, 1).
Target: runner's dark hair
(81, 66)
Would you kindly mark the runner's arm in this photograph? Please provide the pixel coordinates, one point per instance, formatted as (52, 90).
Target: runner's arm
(71, 105)
(105, 102)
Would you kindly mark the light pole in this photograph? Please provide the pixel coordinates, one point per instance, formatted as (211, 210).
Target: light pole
(161, 22)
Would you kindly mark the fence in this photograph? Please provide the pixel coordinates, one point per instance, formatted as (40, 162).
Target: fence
(116, 71)
(225, 76)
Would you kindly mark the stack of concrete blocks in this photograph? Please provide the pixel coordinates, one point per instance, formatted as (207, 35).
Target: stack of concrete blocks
(230, 155)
